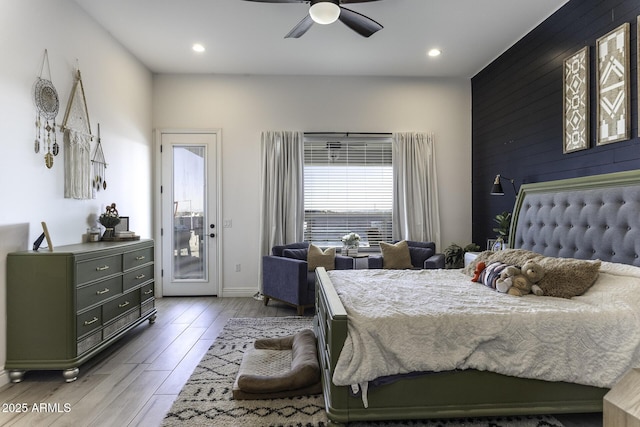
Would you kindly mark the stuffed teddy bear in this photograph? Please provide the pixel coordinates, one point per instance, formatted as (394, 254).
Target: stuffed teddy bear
(525, 282)
(505, 281)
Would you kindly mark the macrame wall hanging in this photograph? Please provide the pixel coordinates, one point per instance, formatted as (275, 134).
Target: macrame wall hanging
(77, 145)
(47, 106)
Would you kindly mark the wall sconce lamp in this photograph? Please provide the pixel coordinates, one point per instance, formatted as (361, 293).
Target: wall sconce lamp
(496, 189)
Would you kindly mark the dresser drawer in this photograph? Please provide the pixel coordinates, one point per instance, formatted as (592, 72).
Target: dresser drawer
(147, 291)
(138, 257)
(147, 306)
(98, 268)
(137, 277)
(87, 322)
(126, 302)
(89, 342)
(98, 292)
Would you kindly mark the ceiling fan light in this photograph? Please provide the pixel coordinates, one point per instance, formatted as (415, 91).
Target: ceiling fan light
(324, 12)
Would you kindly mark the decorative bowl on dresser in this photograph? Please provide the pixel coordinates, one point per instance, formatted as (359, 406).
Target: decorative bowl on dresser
(65, 306)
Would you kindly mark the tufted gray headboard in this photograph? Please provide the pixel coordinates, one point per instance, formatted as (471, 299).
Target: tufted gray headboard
(594, 217)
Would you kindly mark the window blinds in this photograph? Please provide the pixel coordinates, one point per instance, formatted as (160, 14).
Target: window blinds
(348, 187)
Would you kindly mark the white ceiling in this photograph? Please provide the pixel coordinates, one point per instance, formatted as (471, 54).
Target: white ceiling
(243, 37)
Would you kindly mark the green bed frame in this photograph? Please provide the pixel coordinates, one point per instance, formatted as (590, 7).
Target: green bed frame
(467, 393)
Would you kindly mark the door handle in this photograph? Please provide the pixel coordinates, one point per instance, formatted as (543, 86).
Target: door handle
(212, 226)
(212, 235)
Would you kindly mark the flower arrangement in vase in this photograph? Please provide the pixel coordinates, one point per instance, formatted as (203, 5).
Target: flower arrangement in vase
(109, 219)
(350, 244)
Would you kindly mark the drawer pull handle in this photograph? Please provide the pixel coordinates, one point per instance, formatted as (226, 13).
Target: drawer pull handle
(140, 258)
(140, 277)
(124, 304)
(104, 291)
(103, 268)
(149, 292)
(88, 322)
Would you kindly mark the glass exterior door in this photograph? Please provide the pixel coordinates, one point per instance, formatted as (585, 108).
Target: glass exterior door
(189, 198)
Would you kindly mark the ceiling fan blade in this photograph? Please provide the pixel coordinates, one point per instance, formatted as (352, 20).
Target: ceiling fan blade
(359, 23)
(301, 28)
(278, 1)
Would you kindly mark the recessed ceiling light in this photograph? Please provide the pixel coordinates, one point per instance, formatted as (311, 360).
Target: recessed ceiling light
(198, 48)
(434, 52)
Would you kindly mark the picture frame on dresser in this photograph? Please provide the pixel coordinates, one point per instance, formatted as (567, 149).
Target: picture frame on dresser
(496, 245)
(612, 86)
(123, 225)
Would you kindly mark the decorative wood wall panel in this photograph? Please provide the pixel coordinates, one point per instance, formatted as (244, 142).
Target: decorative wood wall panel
(576, 101)
(612, 85)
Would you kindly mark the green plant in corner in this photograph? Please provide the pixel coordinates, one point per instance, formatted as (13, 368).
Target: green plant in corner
(504, 224)
(472, 247)
(454, 254)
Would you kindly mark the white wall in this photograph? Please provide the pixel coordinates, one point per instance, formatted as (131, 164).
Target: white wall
(243, 106)
(118, 91)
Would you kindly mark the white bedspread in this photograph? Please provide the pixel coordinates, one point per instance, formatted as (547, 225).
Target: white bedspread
(437, 320)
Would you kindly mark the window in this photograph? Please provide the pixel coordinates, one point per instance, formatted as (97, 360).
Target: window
(348, 187)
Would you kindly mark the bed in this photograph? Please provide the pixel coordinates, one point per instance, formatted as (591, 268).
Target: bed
(584, 218)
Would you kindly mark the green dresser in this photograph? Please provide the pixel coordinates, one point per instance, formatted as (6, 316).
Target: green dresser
(65, 306)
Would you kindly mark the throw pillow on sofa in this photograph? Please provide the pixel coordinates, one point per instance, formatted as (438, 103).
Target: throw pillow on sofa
(396, 256)
(316, 257)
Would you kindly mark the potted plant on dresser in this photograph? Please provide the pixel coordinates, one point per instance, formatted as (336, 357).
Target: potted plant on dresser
(503, 222)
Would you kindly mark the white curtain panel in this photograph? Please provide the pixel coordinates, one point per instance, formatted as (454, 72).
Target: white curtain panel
(415, 197)
(282, 189)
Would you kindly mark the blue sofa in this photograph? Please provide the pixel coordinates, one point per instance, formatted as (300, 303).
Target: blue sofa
(286, 276)
(423, 255)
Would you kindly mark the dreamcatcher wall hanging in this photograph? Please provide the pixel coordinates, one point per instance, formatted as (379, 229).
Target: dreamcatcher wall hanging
(47, 105)
(77, 144)
(99, 178)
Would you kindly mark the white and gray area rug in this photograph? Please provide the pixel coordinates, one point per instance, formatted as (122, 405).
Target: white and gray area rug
(206, 399)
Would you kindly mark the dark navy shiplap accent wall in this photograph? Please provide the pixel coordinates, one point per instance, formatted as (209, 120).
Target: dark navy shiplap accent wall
(517, 105)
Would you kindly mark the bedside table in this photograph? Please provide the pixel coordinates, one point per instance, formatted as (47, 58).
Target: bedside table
(621, 405)
(360, 261)
(469, 257)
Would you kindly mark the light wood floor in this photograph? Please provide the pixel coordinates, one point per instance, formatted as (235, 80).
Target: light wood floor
(135, 382)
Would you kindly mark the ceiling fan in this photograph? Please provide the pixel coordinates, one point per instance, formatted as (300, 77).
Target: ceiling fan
(329, 11)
